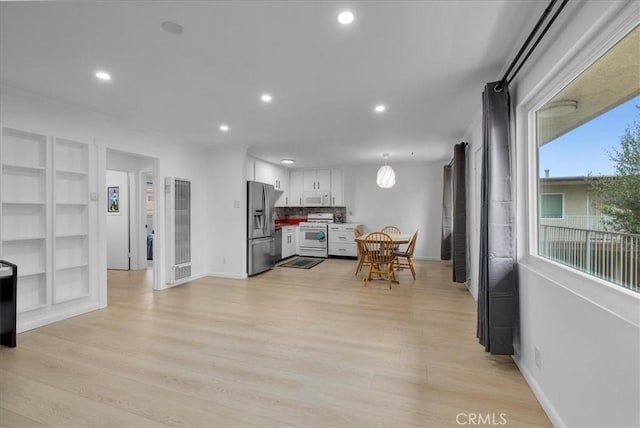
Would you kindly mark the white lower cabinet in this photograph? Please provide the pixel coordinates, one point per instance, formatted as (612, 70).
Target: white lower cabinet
(342, 239)
(289, 238)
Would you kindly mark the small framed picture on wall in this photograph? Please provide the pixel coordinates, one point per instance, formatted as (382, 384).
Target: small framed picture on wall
(113, 200)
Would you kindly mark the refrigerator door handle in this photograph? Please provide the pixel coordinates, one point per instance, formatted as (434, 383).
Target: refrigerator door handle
(267, 209)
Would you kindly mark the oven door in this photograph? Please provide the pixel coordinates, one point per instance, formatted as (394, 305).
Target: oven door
(312, 238)
(313, 242)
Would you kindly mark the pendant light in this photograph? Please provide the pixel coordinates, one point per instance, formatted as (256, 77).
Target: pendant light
(386, 176)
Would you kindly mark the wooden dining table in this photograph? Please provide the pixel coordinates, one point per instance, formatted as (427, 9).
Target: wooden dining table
(397, 238)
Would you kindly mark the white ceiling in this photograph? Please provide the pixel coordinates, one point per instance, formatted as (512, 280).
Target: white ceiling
(426, 60)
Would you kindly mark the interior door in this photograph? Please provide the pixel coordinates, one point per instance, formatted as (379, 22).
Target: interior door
(118, 243)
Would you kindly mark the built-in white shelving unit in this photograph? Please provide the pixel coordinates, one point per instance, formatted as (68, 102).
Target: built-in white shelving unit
(71, 192)
(44, 199)
(23, 229)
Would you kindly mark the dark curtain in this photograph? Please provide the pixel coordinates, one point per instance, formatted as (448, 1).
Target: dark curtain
(459, 236)
(497, 287)
(447, 214)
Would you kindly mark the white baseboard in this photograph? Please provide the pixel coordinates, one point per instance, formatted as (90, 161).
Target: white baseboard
(184, 281)
(49, 317)
(548, 408)
(228, 275)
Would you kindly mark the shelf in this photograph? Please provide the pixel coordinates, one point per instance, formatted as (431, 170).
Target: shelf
(70, 298)
(32, 308)
(73, 266)
(22, 274)
(22, 203)
(72, 235)
(22, 167)
(24, 238)
(71, 203)
(72, 172)
(23, 148)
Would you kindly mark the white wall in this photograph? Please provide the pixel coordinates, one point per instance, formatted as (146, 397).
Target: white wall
(226, 211)
(588, 332)
(118, 223)
(414, 203)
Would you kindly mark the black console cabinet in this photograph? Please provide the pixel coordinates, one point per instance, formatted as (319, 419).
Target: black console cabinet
(8, 292)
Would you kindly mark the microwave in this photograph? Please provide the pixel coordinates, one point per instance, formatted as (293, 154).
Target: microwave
(317, 199)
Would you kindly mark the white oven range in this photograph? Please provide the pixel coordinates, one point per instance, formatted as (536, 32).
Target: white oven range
(312, 237)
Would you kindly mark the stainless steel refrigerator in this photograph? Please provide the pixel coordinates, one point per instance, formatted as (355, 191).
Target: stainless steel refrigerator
(260, 227)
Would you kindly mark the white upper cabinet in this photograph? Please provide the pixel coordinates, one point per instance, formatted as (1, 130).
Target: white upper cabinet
(265, 172)
(337, 188)
(271, 174)
(317, 179)
(296, 188)
(281, 177)
(251, 163)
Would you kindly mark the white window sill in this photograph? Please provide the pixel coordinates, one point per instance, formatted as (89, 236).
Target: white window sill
(617, 300)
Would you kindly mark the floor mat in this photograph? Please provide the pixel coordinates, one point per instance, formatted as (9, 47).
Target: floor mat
(302, 263)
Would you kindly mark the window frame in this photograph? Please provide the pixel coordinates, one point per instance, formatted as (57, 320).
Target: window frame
(601, 37)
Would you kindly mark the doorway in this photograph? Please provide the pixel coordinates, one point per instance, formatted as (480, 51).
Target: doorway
(131, 216)
(149, 204)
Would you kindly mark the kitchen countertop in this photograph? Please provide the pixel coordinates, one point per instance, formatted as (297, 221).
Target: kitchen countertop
(290, 222)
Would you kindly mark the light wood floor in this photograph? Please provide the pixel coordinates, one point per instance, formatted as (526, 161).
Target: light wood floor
(290, 347)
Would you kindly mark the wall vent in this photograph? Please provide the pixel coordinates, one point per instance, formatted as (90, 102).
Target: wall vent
(178, 225)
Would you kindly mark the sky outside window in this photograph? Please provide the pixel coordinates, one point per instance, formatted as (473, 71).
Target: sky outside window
(584, 150)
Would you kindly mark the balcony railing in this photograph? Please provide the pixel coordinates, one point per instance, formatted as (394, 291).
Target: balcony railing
(614, 257)
(591, 222)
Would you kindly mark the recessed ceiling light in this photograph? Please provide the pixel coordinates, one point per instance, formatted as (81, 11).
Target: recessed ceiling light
(224, 128)
(103, 75)
(287, 161)
(380, 108)
(172, 27)
(345, 17)
(266, 98)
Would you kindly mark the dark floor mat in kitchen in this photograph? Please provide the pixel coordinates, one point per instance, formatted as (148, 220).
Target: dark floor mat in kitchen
(302, 263)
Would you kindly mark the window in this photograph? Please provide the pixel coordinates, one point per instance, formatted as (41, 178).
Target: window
(551, 205)
(588, 138)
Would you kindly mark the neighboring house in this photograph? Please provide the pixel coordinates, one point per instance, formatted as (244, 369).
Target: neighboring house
(570, 202)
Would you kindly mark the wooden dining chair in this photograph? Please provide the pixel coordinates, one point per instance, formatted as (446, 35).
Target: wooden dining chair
(379, 253)
(392, 230)
(404, 259)
(360, 247)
